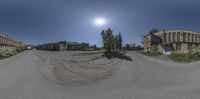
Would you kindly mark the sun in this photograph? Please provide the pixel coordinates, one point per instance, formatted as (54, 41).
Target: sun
(100, 21)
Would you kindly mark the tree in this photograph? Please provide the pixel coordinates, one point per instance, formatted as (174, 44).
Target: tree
(153, 31)
(111, 42)
(127, 47)
(116, 42)
(120, 41)
(108, 39)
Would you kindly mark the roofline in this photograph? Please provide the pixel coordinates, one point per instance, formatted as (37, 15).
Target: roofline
(172, 30)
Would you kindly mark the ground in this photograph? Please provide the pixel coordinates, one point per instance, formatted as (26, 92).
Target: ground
(28, 76)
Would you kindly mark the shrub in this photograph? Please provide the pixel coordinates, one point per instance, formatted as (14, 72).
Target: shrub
(152, 53)
(185, 57)
(181, 57)
(7, 51)
(196, 55)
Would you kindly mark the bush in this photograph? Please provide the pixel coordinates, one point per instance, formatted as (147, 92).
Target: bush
(181, 57)
(152, 53)
(7, 51)
(185, 57)
(196, 55)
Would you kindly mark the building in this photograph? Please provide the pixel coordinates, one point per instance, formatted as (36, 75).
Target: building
(63, 46)
(57, 46)
(168, 41)
(8, 42)
(77, 46)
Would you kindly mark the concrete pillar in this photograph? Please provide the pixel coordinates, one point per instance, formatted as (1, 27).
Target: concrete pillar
(176, 36)
(171, 37)
(166, 37)
(186, 37)
(181, 36)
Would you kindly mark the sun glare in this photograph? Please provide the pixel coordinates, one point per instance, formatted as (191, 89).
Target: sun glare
(100, 21)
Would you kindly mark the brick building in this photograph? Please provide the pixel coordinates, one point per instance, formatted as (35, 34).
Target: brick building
(167, 41)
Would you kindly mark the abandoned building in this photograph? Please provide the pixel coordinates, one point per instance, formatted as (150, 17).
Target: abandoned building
(63, 46)
(168, 41)
(7, 42)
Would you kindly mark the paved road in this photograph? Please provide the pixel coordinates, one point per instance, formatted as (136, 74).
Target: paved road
(142, 78)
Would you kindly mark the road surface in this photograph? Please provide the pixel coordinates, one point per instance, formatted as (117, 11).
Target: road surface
(141, 78)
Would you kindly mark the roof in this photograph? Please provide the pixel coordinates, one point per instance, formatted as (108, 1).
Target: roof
(172, 30)
(3, 35)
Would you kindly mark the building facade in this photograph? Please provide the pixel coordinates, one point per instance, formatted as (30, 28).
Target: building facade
(63, 46)
(6, 41)
(168, 41)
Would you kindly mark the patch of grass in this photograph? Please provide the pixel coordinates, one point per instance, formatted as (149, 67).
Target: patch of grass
(90, 53)
(184, 57)
(152, 53)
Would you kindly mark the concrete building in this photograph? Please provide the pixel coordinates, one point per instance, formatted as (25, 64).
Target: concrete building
(77, 46)
(168, 41)
(6, 41)
(57, 46)
(63, 46)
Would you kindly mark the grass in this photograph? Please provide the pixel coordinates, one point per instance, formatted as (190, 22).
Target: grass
(90, 53)
(184, 57)
(152, 53)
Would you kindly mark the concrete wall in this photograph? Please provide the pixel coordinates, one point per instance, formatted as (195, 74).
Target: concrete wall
(173, 36)
(184, 48)
(5, 41)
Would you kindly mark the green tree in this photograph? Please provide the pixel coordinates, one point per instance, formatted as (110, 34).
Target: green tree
(120, 41)
(153, 31)
(116, 42)
(108, 39)
(127, 47)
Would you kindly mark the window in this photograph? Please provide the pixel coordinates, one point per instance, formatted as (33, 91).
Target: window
(184, 37)
(178, 37)
(188, 37)
(192, 38)
(174, 37)
(169, 37)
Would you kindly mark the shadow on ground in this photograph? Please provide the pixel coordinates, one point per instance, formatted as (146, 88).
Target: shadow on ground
(117, 55)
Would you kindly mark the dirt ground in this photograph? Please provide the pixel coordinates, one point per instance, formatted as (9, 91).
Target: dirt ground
(65, 75)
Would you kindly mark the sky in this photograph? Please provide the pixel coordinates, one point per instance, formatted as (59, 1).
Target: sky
(43, 21)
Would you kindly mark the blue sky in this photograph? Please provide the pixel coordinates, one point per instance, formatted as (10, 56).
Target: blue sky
(43, 21)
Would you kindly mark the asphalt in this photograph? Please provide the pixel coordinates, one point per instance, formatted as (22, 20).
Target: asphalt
(141, 78)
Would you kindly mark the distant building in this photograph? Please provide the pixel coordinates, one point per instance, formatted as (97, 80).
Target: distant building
(167, 41)
(29, 47)
(77, 46)
(63, 46)
(58, 46)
